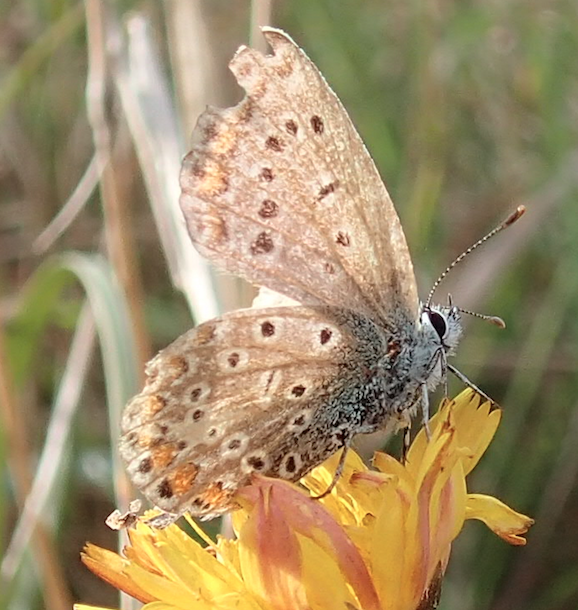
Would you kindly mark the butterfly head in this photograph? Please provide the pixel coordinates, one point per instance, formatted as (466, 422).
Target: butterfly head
(446, 322)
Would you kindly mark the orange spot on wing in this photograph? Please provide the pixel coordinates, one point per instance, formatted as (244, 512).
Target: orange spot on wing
(284, 68)
(224, 142)
(151, 406)
(216, 496)
(163, 455)
(145, 440)
(212, 228)
(183, 478)
(205, 333)
(213, 180)
(174, 367)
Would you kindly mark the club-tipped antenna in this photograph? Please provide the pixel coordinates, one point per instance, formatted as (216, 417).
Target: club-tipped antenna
(515, 215)
(495, 320)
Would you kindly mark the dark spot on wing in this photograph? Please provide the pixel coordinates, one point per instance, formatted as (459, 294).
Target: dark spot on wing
(263, 244)
(291, 127)
(342, 238)
(269, 209)
(164, 489)
(298, 390)
(256, 462)
(274, 143)
(327, 189)
(317, 124)
(267, 329)
(145, 466)
(290, 465)
(267, 174)
(299, 420)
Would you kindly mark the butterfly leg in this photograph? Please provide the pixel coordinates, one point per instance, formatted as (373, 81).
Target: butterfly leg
(444, 364)
(471, 385)
(438, 358)
(338, 472)
(425, 410)
(405, 444)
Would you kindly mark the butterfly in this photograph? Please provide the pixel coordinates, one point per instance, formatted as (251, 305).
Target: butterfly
(281, 190)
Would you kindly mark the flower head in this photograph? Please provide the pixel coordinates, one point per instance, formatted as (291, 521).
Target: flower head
(380, 541)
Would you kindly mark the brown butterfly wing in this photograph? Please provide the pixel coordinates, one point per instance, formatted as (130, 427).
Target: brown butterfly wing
(281, 190)
(273, 391)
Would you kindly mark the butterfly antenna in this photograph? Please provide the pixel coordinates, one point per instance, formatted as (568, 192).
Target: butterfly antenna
(495, 320)
(515, 215)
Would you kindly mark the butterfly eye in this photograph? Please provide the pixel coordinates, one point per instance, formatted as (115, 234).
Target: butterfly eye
(439, 323)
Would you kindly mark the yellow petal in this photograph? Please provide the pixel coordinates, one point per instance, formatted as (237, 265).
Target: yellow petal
(475, 426)
(165, 606)
(442, 443)
(188, 563)
(227, 551)
(437, 511)
(324, 583)
(164, 590)
(112, 569)
(388, 465)
(387, 543)
(319, 479)
(344, 503)
(500, 518)
(421, 443)
(177, 557)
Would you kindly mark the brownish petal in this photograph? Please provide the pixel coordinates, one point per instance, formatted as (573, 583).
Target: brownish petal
(309, 518)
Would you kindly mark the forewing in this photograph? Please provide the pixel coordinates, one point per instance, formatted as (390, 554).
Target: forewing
(281, 190)
(257, 390)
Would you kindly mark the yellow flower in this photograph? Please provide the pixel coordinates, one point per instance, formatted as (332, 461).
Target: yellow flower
(380, 541)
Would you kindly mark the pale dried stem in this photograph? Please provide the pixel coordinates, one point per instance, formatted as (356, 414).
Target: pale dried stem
(194, 54)
(150, 114)
(70, 210)
(261, 11)
(194, 73)
(118, 226)
(192, 60)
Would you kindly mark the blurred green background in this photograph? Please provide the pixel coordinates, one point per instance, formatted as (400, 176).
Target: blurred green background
(469, 108)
